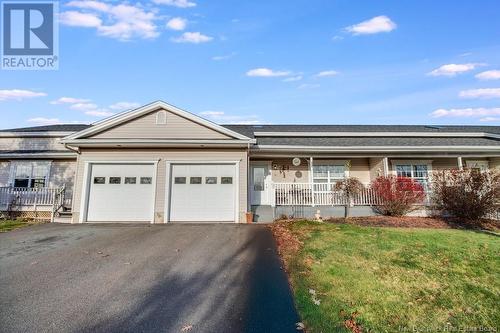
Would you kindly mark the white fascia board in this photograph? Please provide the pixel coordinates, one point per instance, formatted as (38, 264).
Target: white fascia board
(34, 134)
(377, 134)
(157, 142)
(376, 148)
(38, 155)
(129, 115)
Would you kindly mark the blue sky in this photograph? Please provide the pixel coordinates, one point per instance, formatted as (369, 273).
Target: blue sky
(301, 61)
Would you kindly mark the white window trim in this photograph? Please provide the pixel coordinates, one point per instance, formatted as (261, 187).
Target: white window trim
(12, 171)
(477, 163)
(428, 163)
(330, 163)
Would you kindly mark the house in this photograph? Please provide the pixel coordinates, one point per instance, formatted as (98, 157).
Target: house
(159, 164)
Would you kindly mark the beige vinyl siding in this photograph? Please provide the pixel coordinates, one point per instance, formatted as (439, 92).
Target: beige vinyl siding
(4, 173)
(495, 162)
(31, 143)
(145, 127)
(163, 155)
(376, 167)
(287, 173)
(445, 163)
(62, 173)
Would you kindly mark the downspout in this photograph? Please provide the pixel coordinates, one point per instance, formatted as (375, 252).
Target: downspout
(76, 150)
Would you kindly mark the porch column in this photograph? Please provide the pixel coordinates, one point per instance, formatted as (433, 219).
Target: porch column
(460, 163)
(385, 162)
(311, 160)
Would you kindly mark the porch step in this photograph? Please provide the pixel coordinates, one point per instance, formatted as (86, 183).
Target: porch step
(58, 219)
(65, 213)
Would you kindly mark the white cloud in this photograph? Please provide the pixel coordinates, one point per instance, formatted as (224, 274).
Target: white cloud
(266, 72)
(372, 26)
(454, 69)
(293, 78)
(327, 73)
(309, 86)
(83, 106)
(44, 121)
(77, 19)
(69, 100)
(480, 93)
(487, 119)
(489, 75)
(224, 57)
(466, 112)
(122, 21)
(337, 38)
(177, 23)
(176, 3)
(221, 117)
(99, 113)
(19, 94)
(121, 106)
(192, 37)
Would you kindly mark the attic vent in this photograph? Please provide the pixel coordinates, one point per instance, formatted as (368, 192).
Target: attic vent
(161, 117)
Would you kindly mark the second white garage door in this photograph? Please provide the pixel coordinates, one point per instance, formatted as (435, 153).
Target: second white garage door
(121, 193)
(202, 193)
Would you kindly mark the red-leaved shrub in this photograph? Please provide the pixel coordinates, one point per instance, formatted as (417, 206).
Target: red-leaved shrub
(468, 194)
(398, 195)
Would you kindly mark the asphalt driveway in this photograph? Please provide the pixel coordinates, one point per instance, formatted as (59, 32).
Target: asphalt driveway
(129, 278)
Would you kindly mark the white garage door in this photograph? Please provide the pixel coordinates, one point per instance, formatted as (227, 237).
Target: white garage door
(202, 193)
(121, 193)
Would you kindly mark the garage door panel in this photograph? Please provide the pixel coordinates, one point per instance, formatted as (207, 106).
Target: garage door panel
(209, 201)
(121, 193)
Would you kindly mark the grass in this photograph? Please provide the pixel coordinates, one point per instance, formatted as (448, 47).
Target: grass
(9, 225)
(394, 280)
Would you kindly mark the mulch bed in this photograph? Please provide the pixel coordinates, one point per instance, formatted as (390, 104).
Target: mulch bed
(417, 222)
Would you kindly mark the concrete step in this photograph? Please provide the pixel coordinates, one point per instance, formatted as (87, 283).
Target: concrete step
(62, 219)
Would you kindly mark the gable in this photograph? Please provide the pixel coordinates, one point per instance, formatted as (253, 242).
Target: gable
(146, 127)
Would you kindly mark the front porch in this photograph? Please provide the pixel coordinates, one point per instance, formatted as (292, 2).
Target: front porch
(302, 186)
(39, 203)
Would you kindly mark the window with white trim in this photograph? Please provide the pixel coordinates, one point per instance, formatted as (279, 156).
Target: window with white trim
(416, 171)
(328, 173)
(30, 173)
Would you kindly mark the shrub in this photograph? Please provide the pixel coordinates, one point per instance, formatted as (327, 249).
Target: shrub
(469, 194)
(399, 195)
(350, 187)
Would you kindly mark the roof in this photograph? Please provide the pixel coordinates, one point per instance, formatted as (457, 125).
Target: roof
(375, 141)
(249, 130)
(50, 128)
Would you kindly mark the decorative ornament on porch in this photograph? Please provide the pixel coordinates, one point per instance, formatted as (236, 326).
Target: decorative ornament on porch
(296, 161)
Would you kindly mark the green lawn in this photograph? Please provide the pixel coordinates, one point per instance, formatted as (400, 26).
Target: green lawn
(394, 280)
(9, 225)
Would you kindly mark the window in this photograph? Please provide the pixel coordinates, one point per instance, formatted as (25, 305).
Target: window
(31, 174)
(180, 180)
(328, 173)
(416, 171)
(99, 180)
(195, 180)
(226, 180)
(130, 180)
(161, 117)
(211, 180)
(115, 180)
(146, 180)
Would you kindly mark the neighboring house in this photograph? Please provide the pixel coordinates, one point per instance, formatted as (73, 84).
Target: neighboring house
(161, 164)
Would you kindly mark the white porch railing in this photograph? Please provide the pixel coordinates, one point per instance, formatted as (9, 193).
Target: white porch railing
(320, 194)
(22, 196)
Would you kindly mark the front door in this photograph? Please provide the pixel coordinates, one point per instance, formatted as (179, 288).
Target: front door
(260, 182)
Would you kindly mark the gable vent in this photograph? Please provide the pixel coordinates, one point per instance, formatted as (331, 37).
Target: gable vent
(161, 117)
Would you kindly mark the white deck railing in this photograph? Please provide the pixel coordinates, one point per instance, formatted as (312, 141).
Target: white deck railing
(22, 196)
(320, 194)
